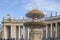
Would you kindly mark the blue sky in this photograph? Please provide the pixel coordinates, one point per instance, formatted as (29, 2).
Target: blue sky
(18, 8)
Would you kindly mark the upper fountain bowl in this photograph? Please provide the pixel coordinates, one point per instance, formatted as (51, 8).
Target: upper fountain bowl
(35, 14)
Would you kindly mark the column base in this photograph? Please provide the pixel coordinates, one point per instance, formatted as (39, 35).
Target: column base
(45, 39)
(9, 39)
(57, 38)
(51, 39)
(22, 39)
(48, 39)
(26, 39)
(0, 38)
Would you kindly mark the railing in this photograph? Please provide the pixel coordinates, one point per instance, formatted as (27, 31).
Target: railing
(53, 17)
(21, 20)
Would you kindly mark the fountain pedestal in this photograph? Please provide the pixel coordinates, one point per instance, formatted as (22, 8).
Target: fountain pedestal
(35, 34)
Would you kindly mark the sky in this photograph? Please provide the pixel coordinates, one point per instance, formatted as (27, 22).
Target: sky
(18, 8)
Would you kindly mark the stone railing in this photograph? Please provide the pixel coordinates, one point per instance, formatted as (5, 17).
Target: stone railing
(53, 17)
(21, 20)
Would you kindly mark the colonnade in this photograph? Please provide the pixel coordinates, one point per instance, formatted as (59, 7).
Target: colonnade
(53, 30)
(13, 32)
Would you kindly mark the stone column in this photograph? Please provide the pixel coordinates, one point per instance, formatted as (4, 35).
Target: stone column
(24, 35)
(19, 33)
(46, 31)
(51, 31)
(13, 31)
(42, 33)
(56, 31)
(5, 32)
(28, 33)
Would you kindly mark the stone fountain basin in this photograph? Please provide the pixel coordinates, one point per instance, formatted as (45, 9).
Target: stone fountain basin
(34, 24)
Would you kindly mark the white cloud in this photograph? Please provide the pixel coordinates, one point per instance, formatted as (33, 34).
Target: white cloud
(49, 5)
(29, 6)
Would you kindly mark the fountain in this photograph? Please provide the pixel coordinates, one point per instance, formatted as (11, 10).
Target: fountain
(35, 25)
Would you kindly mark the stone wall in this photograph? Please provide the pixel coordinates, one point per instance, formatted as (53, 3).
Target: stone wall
(0, 34)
